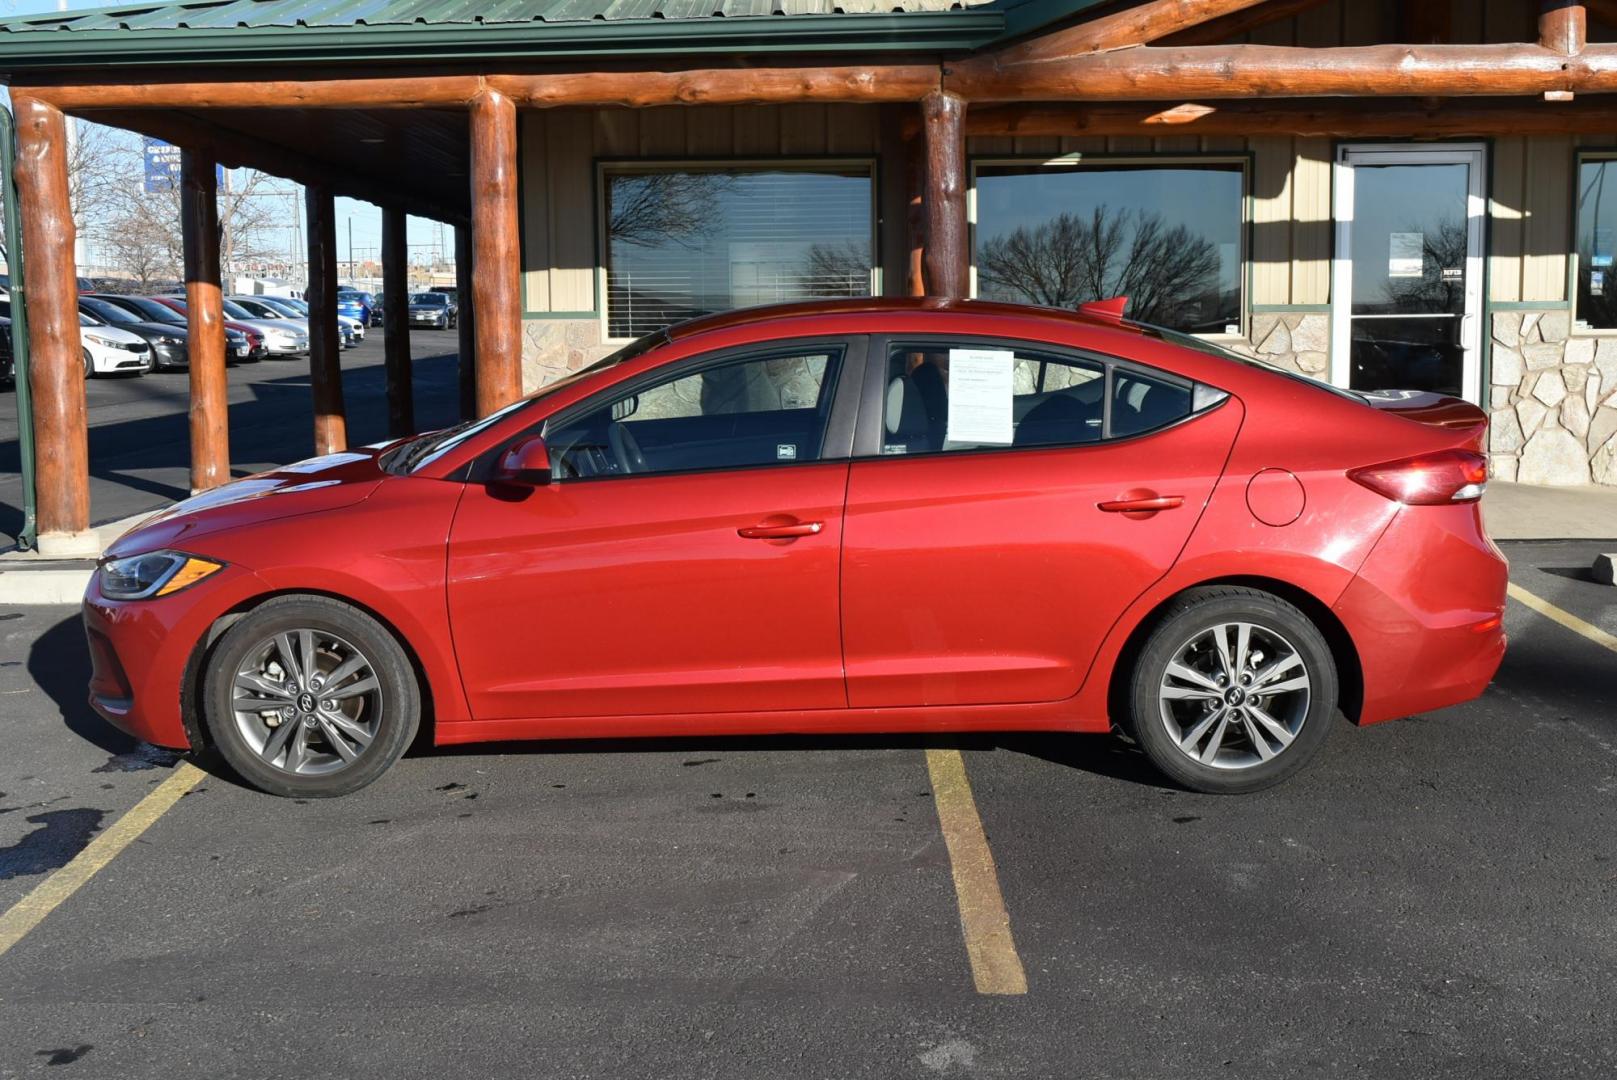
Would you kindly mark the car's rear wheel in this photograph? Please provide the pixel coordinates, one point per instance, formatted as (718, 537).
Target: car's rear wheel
(307, 696)
(1234, 691)
(89, 364)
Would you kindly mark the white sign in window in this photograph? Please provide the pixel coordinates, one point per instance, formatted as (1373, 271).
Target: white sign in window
(980, 388)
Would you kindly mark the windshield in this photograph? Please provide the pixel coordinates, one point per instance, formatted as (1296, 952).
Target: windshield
(425, 449)
(280, 307)
(151, 310)
(430, 299)
(236, 311)
(106, 312)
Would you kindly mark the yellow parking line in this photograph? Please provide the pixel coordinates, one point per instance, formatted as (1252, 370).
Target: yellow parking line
(49, 894)
(1565, 618)
(995, 967)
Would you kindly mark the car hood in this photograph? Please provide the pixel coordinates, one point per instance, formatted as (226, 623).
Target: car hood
(113, 333)
(169, 329)
(285, 325)
(305, 487)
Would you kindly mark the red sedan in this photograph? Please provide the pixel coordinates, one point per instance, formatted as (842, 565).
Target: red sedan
(863, 516)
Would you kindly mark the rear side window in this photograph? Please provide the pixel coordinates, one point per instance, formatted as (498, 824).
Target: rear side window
(970, 397)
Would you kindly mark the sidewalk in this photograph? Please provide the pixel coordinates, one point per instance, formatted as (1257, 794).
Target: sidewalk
(1531, 512)
(28, 578)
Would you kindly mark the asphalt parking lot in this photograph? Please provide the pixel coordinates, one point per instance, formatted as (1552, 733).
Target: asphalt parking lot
(140, 449)
(1435, 897)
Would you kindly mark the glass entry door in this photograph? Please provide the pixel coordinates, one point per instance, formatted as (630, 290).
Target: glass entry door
(1407, 277)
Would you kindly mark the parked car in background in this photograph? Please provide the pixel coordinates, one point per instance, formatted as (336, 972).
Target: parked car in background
(256, 337)
(349, 331)
(951, 517)
(431, 309)
(357, 303)
(241, 344)
(454, 298)
(282, 339)
(8, 361)
(106, 349)
(170, 342)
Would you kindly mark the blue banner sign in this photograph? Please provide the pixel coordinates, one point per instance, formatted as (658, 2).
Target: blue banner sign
(163, 166)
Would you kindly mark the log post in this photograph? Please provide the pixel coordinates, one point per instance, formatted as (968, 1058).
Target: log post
(56, 377)
(325, 372)
(205, 318)
(1563, 26)
(495, 295)
(914, 214)
(467, 325)
(396, 322)
(946, 260)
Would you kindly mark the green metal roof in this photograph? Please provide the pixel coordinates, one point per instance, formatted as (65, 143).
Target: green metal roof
(216, 32)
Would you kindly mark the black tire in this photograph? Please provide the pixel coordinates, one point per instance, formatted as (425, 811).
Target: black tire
(1243, 768)
(398, 702)
(89, 365)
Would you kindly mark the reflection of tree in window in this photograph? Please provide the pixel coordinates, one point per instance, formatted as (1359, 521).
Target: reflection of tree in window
(653, 209)
(836, 270)
(1166, 272)
(1432, 292)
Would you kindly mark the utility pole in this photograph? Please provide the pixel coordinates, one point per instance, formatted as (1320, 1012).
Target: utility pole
(350, 247)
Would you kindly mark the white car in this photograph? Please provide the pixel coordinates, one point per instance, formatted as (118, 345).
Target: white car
(282, 337)
(280, 307)
(109, 350)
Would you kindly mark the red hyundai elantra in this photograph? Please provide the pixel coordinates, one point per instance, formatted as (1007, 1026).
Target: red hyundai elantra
(862, 516)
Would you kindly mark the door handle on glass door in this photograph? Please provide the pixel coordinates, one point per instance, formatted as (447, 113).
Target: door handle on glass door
(780, 532)
(1144, 504)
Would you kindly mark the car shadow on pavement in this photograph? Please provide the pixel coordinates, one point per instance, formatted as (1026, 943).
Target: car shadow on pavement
(59, 663)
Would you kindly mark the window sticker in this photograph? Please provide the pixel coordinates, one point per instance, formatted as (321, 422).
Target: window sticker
(785, 451)
(980, 396)
(1406, 254)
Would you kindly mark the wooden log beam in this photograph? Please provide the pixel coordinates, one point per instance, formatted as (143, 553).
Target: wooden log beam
(1384, 117)
(946, 258)
(205, 317)
(56, 374)
(1563, 26)
(740, 85)
(1138, 25)
(1240, 23)
(235, 149)
(1242, 71)
(325, 373)
(495, 293)
(915, 215)
(396, 322)
(466, 326)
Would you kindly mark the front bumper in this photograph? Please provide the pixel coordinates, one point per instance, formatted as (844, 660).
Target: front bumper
(171, 356)
(140, 651)
(278, 348)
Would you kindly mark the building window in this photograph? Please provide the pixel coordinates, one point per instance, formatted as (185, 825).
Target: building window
(1597, 227)
(685, 241)
(1169, 235)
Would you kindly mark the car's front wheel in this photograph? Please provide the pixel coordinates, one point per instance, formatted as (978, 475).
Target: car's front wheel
(1234, 691)
(307, 696)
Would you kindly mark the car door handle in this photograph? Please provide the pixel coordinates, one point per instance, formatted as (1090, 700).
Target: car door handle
(1145, 505)
(780, 532)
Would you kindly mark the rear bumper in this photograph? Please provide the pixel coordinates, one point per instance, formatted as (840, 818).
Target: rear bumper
(1426, 612)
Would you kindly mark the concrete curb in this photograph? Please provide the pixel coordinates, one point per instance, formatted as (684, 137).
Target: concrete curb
(31, 587)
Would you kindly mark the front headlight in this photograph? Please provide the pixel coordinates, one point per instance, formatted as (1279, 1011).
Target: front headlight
(156, 573)
(166, 339)
(99, 340)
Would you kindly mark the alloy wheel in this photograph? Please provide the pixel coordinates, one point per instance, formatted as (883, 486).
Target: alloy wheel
(1234, 695)
(307, 702)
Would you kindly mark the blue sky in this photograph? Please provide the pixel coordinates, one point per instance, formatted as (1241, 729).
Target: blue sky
(366, 219)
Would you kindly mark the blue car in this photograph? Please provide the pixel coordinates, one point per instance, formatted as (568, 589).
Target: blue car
(357, 304)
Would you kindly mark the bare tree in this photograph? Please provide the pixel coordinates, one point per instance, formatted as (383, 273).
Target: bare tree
(1164, 271)
(831, 270)
(92, 177)
(1434, 289)
(652, 209)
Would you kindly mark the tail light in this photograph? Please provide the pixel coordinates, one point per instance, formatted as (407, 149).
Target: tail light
(1448, 476)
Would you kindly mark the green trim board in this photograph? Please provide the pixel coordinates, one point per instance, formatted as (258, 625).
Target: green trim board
(1290, 309)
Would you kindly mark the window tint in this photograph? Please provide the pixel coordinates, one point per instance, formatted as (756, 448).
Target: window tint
(1597, 244)
(943, 398)
(1141, 403)
(769, 410)
(684, 242)
(1166, 235)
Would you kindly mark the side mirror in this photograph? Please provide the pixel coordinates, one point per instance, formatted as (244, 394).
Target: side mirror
(528, 462)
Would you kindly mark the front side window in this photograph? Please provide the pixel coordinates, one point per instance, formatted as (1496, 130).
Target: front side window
(685, 242)
(762, 410)
(1597, 227)
(1169, 236)
(977, 397)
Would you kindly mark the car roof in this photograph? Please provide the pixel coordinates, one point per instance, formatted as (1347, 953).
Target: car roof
(876, 306)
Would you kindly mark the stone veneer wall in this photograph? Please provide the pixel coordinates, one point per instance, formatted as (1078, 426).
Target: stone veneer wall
(1554, 401)
(552, 348)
